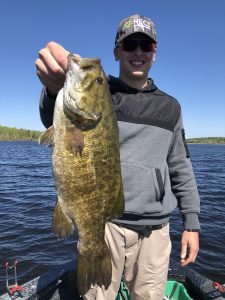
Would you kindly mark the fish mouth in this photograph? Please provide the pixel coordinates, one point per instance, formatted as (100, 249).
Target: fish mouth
(77, 68)
(89, 63)
(75, 63)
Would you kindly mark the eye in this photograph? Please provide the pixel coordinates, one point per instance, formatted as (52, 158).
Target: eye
(99, 80)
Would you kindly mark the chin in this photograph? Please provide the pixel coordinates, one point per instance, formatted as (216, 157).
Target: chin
(138, 74)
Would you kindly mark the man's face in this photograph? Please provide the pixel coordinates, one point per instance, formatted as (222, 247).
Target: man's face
(134, 64)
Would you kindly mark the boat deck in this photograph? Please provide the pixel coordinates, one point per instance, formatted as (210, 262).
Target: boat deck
(59, 284)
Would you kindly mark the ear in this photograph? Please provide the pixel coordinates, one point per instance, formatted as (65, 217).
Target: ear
(153, 56)
(116, 54)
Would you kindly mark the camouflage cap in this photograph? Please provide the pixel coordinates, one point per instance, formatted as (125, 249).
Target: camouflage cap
(133, 24)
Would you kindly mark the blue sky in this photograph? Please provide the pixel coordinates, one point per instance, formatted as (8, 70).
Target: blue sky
(190, 62)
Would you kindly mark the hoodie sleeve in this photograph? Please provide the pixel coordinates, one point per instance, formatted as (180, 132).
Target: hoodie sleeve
(182, 178)
(46, 108)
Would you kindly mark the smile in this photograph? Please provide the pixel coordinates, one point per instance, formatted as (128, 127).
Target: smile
(137, 62)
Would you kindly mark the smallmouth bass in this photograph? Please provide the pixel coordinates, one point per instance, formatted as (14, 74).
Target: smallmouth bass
(86, 167)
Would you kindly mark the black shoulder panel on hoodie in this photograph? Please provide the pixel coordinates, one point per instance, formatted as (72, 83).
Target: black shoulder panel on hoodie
(148, 106)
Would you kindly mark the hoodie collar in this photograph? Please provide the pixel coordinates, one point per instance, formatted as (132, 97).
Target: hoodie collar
(117, 85)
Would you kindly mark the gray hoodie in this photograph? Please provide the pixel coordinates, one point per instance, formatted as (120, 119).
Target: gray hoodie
(155, 163)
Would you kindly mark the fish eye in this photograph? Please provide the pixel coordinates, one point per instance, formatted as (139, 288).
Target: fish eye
(99, 80)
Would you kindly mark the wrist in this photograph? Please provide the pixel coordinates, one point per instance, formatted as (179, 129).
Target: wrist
(193, 230)
(51, 94)
(190, 221)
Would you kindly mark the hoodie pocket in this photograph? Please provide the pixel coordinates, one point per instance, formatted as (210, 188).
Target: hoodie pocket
(143, 189)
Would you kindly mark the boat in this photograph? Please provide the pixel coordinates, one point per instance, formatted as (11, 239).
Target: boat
(183, 284)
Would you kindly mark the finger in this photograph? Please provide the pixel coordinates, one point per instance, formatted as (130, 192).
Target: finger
(44, 73)
(59, 53)
(183, 255)
(185, 262)
(193, 254)
(53, 84)
(52, 66)
(183, 250)
(191, 257)
(194, 258)
(48, 82)
(41, 66)
(52, 80)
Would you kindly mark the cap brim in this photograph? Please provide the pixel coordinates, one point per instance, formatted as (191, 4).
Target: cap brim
(129, 34)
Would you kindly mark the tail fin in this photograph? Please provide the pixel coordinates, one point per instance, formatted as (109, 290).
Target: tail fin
(93, 270)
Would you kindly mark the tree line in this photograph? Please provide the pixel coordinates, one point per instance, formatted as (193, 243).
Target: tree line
(15, 134)
(207, 140)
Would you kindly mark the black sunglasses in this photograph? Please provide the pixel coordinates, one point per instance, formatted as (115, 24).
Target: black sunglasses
(131, 45)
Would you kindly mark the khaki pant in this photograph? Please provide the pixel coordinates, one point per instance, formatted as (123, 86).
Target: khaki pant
(143, 260)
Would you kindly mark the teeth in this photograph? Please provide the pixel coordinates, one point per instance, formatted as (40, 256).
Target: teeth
(137, 62)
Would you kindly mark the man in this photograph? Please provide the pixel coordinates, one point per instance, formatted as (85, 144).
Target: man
(155, 164)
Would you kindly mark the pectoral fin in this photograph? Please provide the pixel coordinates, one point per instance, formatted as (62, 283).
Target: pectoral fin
(47, 137)
(74, 140)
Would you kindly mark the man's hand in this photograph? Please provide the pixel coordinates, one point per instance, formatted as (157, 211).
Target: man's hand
(189, 247)
(52, 66)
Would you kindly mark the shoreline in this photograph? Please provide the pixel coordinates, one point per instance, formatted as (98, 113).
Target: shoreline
(35, 140)
(21, 140)
(204, 143)
(12, 134)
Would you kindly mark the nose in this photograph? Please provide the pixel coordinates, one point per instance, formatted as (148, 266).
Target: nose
(138, 51)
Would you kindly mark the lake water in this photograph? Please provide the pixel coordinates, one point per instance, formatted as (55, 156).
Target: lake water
(27, 198)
